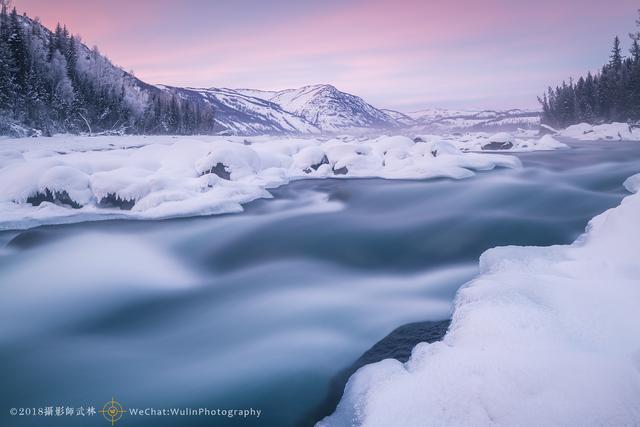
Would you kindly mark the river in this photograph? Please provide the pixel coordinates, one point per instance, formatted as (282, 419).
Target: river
(263, 309)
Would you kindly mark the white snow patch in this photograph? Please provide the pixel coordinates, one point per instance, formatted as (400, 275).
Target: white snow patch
(159, 177)
(482, 141)
(607, 132)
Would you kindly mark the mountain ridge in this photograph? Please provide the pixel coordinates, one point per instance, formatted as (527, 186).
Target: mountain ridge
(81, 91)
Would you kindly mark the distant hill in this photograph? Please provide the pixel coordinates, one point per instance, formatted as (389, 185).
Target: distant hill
(468, 120)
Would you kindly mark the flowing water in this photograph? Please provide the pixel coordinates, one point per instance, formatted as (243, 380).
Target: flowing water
(262, 309)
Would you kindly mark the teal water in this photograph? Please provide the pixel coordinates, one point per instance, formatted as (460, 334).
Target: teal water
(262, 309)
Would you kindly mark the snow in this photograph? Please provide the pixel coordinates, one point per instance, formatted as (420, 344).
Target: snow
(544, 336)
(332, 110)
(482, 141)
(322, 108)
(613, 131)
(71, 179)
(444, 120)
(309, 109)
(245, 113)
(438, 113)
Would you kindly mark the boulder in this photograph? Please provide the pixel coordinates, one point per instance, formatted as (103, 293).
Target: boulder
(340, 171)
(498, 146)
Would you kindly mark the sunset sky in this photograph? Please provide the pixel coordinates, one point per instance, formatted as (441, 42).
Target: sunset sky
(402, 54)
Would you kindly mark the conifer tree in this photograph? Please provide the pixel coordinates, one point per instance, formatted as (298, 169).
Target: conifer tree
(615, 61)
(50, 82)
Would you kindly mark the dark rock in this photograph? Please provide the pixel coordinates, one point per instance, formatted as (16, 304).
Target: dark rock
(324, 161)
(221, 170)
(498, 145)
(418, 139)
(59, 197)
(112, 200)
(397, 345)
(434, 153)
(340, 171)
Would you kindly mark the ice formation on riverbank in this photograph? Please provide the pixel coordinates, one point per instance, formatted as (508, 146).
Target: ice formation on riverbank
(543, 336)
(503, 141)
(70, 179)
(605, 132)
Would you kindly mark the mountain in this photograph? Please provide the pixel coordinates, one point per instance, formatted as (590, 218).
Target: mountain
(309, 109)
(237, 113)
(438, 119)
(50, 82)
(332, 110)
(400, 118)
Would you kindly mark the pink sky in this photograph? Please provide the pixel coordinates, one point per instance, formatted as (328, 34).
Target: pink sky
(402, 54)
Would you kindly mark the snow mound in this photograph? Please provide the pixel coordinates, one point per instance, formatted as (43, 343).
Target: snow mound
(544, 336)
(70, 179)
(611, 132)
(481, 141)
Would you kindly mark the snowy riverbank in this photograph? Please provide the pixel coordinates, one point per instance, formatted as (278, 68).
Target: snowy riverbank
(605, 132)
(543, 336)
(71, 179)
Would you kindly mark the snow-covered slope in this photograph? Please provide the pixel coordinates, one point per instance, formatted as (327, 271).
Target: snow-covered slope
(439, 119)
(545, 336)
(310, 109)
(332, 110)
(238, 113)
(401, 118)
(607, 132)
(324, 109)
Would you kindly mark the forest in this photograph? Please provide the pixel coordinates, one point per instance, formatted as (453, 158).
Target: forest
(610, 95)
(50, 82)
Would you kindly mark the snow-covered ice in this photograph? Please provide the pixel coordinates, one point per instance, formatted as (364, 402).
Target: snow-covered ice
(71, 179)
(544, 336)
(503, 141)
(610, 132)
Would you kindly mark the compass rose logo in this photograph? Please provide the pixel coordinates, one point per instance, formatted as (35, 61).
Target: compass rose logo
(112, 411)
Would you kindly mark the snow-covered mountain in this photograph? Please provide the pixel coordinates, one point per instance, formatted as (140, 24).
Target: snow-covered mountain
(332, 110)
(401, 118)
(310, 109)
(237, 113)
(438, 119)
(325, 109)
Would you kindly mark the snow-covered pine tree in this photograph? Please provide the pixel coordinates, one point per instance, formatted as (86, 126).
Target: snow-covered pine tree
(51, 82)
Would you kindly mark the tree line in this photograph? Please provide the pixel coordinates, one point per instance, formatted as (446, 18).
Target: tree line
(611, 94)
(50, 82)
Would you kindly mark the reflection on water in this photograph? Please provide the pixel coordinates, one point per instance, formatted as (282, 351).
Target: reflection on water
(264, 308)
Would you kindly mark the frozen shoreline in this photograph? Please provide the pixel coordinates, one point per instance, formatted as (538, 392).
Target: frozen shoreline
(542, 336)
(74, 179)
(607, 132)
